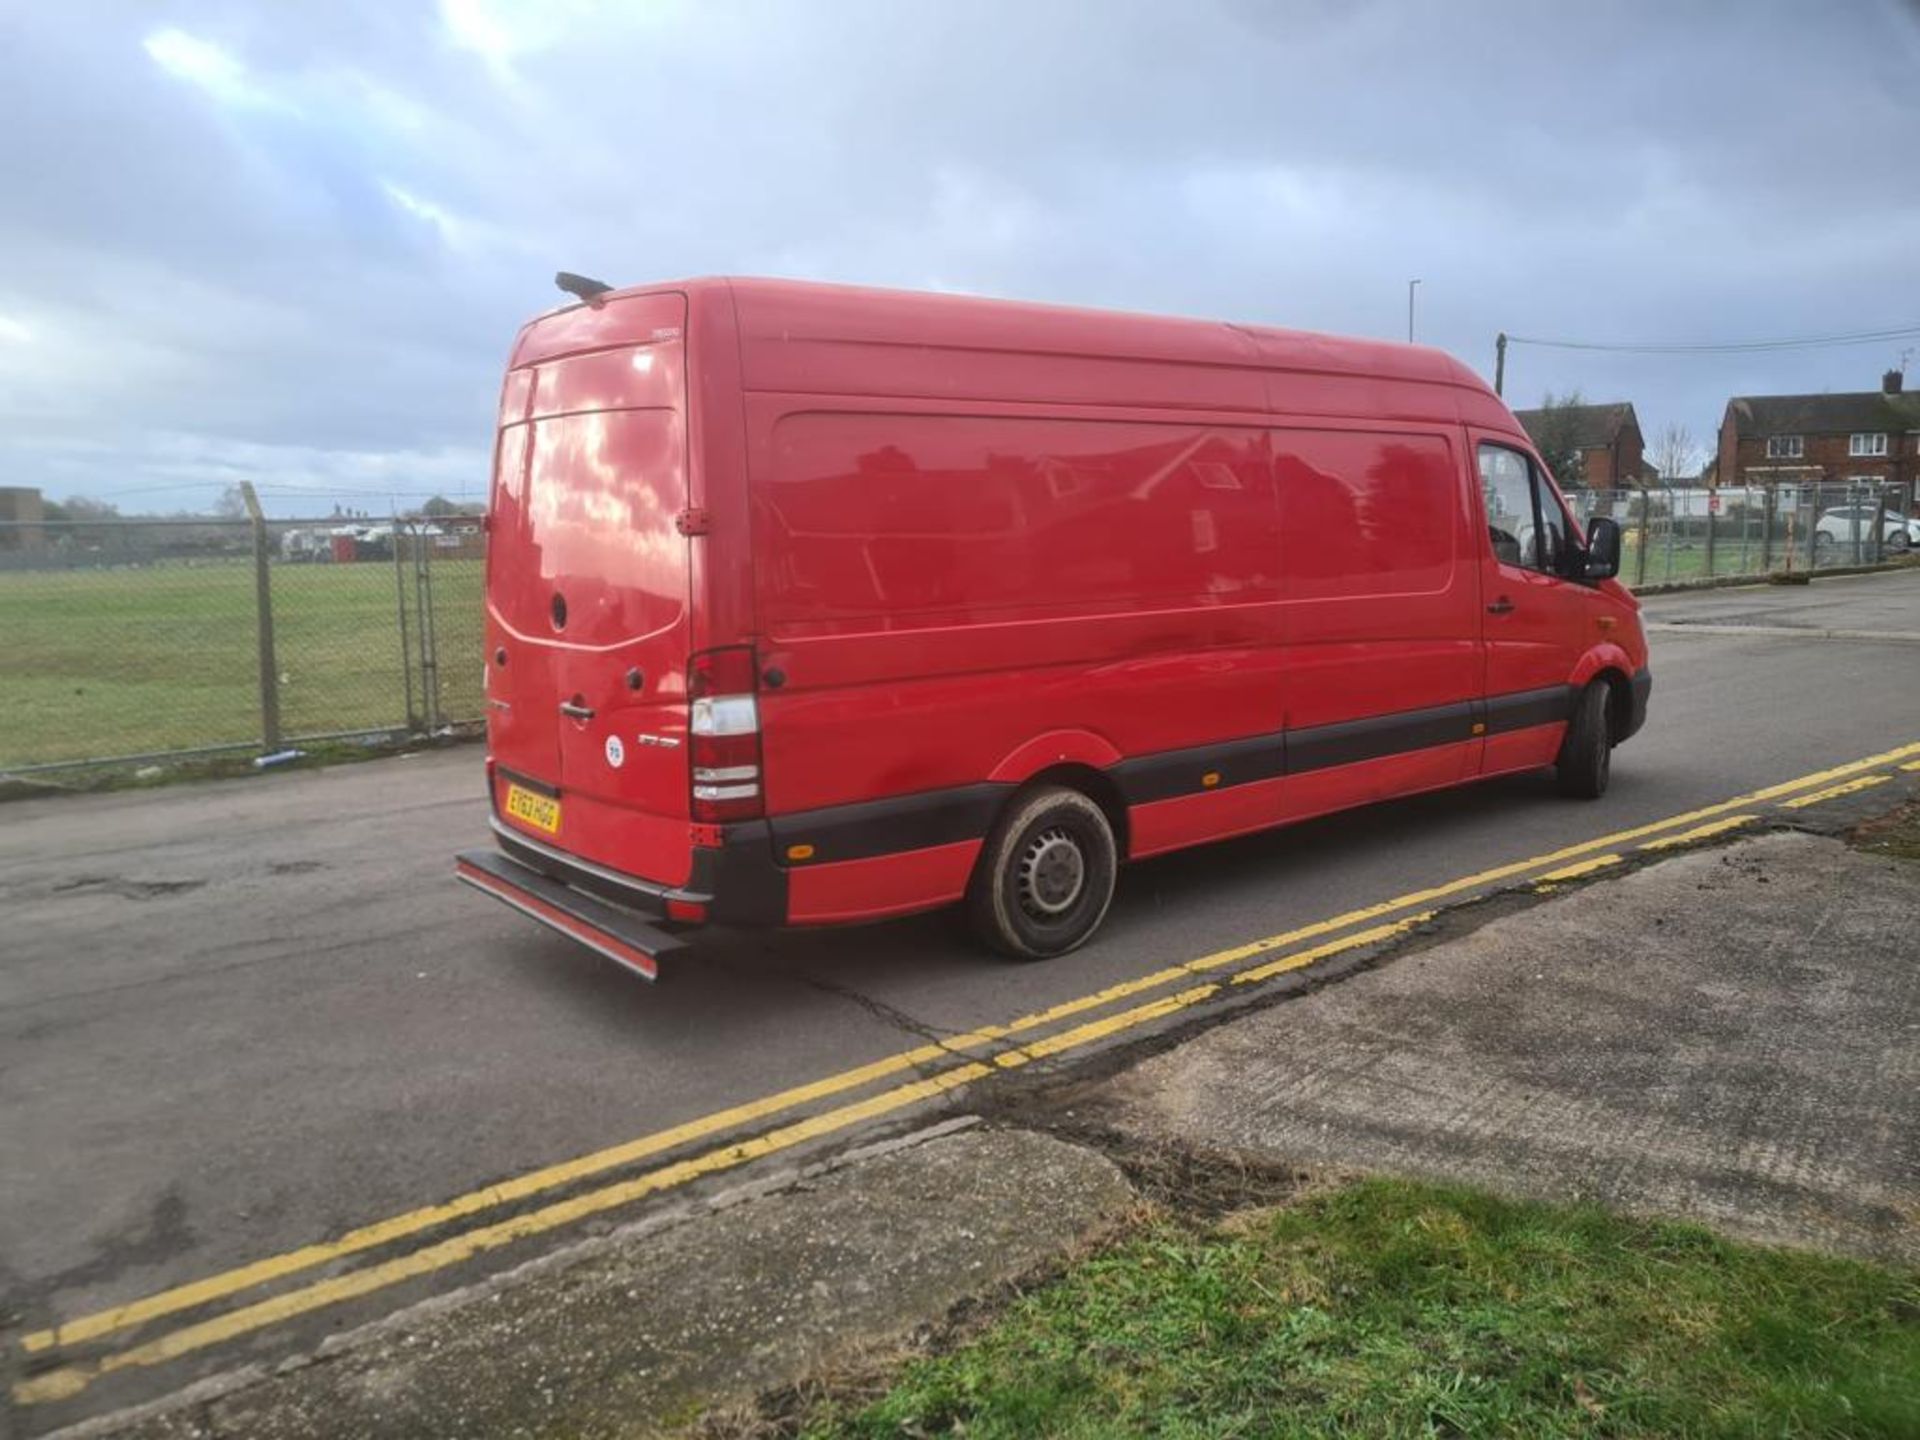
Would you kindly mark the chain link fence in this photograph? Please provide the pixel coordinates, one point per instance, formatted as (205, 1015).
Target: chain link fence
(1675, 533)
(132, 640)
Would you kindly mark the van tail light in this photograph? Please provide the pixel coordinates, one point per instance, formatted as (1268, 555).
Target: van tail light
(724, 725)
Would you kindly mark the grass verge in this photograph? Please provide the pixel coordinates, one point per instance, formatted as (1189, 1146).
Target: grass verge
(1400, 1309)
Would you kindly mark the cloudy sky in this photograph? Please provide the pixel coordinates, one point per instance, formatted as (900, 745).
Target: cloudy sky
(291, 241)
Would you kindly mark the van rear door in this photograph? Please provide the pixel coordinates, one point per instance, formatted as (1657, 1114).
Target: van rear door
(588, 594)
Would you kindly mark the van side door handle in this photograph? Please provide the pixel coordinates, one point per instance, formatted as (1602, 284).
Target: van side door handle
(578, 712)
(1499, 607)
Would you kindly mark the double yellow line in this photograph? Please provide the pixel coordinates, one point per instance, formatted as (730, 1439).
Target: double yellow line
(969, 1057)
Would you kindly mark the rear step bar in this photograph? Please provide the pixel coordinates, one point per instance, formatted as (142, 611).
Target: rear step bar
(620, 935)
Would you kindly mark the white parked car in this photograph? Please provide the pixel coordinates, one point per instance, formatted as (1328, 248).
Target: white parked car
(1844, 526)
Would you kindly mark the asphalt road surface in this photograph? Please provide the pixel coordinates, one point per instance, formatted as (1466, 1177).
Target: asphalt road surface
(244, 1017)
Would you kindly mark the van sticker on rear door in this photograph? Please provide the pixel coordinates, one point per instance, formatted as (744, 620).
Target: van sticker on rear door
(616, 752)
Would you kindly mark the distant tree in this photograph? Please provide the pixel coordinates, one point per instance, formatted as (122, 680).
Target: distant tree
(77, 520)
(1675, 455)
(79, 507)
(439, 505)
(232, 505)
(1557, 434)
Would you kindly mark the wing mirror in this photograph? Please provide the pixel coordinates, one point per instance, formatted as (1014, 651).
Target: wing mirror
(1603, 549)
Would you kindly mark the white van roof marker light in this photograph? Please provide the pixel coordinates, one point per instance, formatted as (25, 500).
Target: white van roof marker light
(580, 287)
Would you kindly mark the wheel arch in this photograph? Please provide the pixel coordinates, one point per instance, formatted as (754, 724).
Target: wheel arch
(1619, 683)
(1078, 759)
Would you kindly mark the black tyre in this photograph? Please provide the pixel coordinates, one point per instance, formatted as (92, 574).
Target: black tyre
(1045, 877)
(1585, 763)
(1899, 542)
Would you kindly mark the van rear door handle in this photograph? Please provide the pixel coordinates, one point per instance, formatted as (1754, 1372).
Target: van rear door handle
(1498, 607)
(578, 712)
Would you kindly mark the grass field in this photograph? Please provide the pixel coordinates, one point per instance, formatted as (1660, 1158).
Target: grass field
(1687, 559)
(1397, 1309)
(143, 658)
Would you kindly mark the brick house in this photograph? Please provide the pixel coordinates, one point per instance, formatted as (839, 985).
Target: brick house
(1872, 435)
(1612, 449)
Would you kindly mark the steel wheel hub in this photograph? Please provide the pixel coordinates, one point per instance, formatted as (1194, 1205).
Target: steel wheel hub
(1053, 871)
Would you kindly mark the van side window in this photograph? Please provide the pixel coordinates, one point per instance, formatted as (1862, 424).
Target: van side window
(1553, 524)
(1507, 485)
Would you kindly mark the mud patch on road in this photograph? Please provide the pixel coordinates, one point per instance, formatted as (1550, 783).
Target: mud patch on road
(127, 887)
(1896, 834)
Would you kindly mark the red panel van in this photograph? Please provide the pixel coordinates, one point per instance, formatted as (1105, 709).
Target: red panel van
(810, 604)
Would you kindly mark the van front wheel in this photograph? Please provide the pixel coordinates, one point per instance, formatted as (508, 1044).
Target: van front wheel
(1045, 876)
(1586, 754)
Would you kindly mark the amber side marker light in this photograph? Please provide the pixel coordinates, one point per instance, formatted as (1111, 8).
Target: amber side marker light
(799, 852)
(1210, 779)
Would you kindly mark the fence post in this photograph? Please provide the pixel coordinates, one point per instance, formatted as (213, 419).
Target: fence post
(1770, 501)
(1673, 521)
(1879, 526)
(400, 613)
(1713, 524)
(423, 619)
(1640, 563)
(263, 617)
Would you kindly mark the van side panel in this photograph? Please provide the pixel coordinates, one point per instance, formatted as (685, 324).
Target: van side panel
(883, 885)
(876, 343)
(938, 588)
(1208, 814)
(1381, 620)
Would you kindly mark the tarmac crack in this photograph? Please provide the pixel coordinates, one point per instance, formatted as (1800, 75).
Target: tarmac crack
(889, 1014)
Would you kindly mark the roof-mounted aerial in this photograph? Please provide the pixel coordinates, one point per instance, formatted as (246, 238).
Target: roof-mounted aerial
(579, 286)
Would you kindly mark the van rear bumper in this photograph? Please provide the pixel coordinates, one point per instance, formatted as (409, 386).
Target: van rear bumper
(734, 883)
(619, 935)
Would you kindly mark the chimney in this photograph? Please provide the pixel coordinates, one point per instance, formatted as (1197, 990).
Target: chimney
(1891, 381)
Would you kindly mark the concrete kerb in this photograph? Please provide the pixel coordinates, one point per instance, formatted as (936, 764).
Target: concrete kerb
(1781, 632)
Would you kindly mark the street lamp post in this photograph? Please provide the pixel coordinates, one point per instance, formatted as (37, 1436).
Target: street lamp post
(1410, 285)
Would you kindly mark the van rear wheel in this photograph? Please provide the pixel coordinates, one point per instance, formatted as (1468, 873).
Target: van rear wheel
(1585, 763)
(1045, 876)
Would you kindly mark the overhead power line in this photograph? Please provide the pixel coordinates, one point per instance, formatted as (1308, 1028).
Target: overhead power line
(1727, 347)
(318, 488)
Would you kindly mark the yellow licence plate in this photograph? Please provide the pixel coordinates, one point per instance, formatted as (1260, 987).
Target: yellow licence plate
(540, 811)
